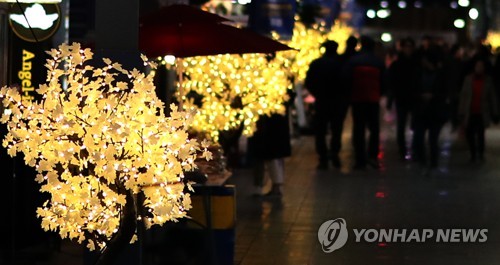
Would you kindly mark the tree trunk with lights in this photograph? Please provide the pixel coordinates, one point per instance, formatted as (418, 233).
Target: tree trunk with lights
(121, 240)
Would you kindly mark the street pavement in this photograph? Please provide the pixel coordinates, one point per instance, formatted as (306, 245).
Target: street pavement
(399, 195)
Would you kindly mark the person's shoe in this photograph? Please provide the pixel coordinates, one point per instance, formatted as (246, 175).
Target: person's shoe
(322, 165)
(403, 154)
(276, 191)
(374, 163)
(258, 191)
(336, 162)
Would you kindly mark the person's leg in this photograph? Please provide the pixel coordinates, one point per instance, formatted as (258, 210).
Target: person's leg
(455, 122)
(358, 134)
(434, 131)
(373, 121)
(418, 139)
(337, 125)
(470, 135)
(320, 130)
(276, 171)
(402, 115)
(258, 176)
(480, 131)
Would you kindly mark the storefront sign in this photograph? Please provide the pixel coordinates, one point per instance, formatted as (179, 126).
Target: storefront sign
(27, 66)
(34, 22)
(24, 75)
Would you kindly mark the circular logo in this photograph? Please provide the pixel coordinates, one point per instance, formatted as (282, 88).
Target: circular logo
(34, 22)
(333, 235)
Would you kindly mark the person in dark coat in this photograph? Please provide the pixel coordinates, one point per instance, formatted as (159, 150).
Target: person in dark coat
(430, 112)
(364, 75)
(454, 73)
(268, 147)
(350, 49)
(323, 81)
(402, 75)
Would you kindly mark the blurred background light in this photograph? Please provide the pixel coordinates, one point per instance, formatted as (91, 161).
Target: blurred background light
(170, 59)
(383, 13)
(473, 13)
(459, 23)
(371, 13)
(384, 4)
(244, 2)
(402, 4)
(418, 4)
(463, 3)
(386, 37)
(454, 4)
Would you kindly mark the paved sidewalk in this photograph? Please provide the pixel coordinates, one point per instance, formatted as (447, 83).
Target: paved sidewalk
(457, 195)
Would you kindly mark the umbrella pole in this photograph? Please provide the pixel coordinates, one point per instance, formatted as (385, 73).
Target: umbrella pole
(180, 70)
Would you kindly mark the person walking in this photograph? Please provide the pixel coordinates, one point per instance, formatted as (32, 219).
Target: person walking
(454, 73)
(430, 111)
(478, 107)
(350, 49)
(323, 81)
(402, 76)
(364, 74)
(268, 147)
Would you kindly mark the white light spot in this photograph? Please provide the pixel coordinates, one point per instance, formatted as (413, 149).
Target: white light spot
(371, 13)
(383, 13)
(459, 23)
(386, 37)
(463, 3)
(473, 13)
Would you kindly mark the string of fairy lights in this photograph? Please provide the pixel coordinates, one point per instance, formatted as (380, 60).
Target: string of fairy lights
(234, 90)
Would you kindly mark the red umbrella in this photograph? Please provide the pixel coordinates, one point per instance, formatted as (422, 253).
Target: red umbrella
(180, 14)
(192, 39)
(184, 31)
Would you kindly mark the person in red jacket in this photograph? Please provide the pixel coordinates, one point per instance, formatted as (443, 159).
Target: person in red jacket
(364, 76)
(478, 107)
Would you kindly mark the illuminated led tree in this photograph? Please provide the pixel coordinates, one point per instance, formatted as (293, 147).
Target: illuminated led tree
(340, 33)
(234, 90)
(103, 150)
(307, 41)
